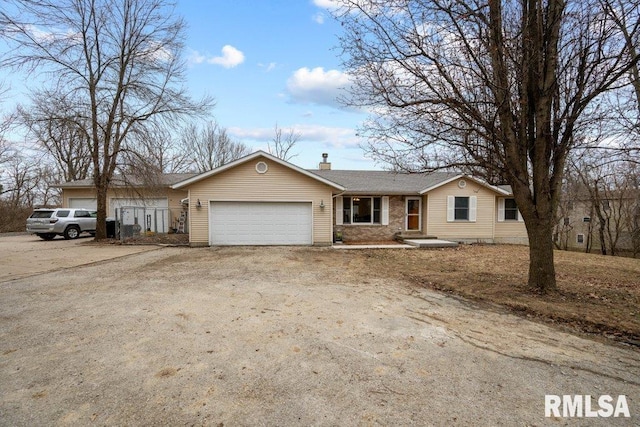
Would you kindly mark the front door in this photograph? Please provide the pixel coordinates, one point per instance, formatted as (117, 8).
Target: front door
(413, 214)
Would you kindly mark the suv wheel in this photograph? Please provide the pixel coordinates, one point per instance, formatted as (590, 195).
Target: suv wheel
(47, 236)
(71, 232)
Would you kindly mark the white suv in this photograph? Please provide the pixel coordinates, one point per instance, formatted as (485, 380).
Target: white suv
(70, 223)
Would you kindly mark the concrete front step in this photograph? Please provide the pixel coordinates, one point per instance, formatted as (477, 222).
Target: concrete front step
(430, 243)
(402, 237)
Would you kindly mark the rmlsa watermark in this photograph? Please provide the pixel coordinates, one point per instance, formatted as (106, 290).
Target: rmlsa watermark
(584, 405)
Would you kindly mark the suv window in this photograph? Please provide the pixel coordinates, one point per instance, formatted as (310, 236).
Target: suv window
(81, 214)
(93, 214)
(41, 214)
(62, 214)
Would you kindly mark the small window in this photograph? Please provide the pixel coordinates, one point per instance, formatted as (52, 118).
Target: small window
(62, 214)
(566, 220)
(586, 219)
(377, 202)
(510, 210)
(605, 205)
(461, 209)
(580, 239)
(346, 217)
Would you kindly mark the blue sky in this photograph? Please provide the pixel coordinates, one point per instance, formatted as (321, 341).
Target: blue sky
(269, 62)
(265, 62)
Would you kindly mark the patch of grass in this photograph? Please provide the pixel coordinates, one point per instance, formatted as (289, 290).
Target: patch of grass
(596, 294)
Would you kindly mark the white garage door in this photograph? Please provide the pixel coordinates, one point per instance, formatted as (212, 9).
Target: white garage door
(83, 203)
(260, 223)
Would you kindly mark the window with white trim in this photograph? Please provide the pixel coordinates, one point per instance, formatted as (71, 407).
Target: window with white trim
(510, 210)
(361, 210)
(580, 239)
(461, 208)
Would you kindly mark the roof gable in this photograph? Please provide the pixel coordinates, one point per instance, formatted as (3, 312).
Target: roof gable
(363, 182)
(485, 184)
(253, 156)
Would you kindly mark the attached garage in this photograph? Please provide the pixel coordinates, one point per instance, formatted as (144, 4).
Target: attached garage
(260, 223)
(260, 200)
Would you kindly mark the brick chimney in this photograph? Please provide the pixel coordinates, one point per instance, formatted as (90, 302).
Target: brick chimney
(324, 165)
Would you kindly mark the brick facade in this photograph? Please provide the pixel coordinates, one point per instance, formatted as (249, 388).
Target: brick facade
(363, 233)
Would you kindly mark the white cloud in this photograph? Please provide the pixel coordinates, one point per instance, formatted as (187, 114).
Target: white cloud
(268, 67)
(332, 137)
(316, 86)
(196, 57)
(231, 57)
(326, 4)
(318, 18)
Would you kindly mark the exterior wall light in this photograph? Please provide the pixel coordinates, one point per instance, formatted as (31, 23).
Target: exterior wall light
(322, 205)
(198, 204)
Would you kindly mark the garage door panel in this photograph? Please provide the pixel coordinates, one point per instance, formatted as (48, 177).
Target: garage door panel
(260, 223)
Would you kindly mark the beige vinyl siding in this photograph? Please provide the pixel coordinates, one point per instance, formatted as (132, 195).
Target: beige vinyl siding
(509, 231)
(425, 216)
(481, 229)
(76, 193)
(244, 183)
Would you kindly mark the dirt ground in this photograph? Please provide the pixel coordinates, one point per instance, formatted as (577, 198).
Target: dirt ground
(598, 295)
(282, 336)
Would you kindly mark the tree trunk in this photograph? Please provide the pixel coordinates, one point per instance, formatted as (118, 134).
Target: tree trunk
(603, 241)
(542, 272)
(101, 220)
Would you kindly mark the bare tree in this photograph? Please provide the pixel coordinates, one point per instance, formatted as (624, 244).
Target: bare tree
(280, 146)
(52, 125)
(610, 186)
(499, 87)
(210, 146)
(152, 154)
(119, 61)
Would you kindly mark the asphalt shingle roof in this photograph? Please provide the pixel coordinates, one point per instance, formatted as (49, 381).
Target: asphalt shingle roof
(384, 182)
(166, 179)
(358, 182)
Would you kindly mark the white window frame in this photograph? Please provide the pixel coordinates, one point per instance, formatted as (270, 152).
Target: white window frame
(384, 211)
(578, 236)
(451, 209)
(406, 213)
(502, 211)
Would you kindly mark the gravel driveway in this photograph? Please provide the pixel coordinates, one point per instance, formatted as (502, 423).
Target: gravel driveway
(280, 336)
